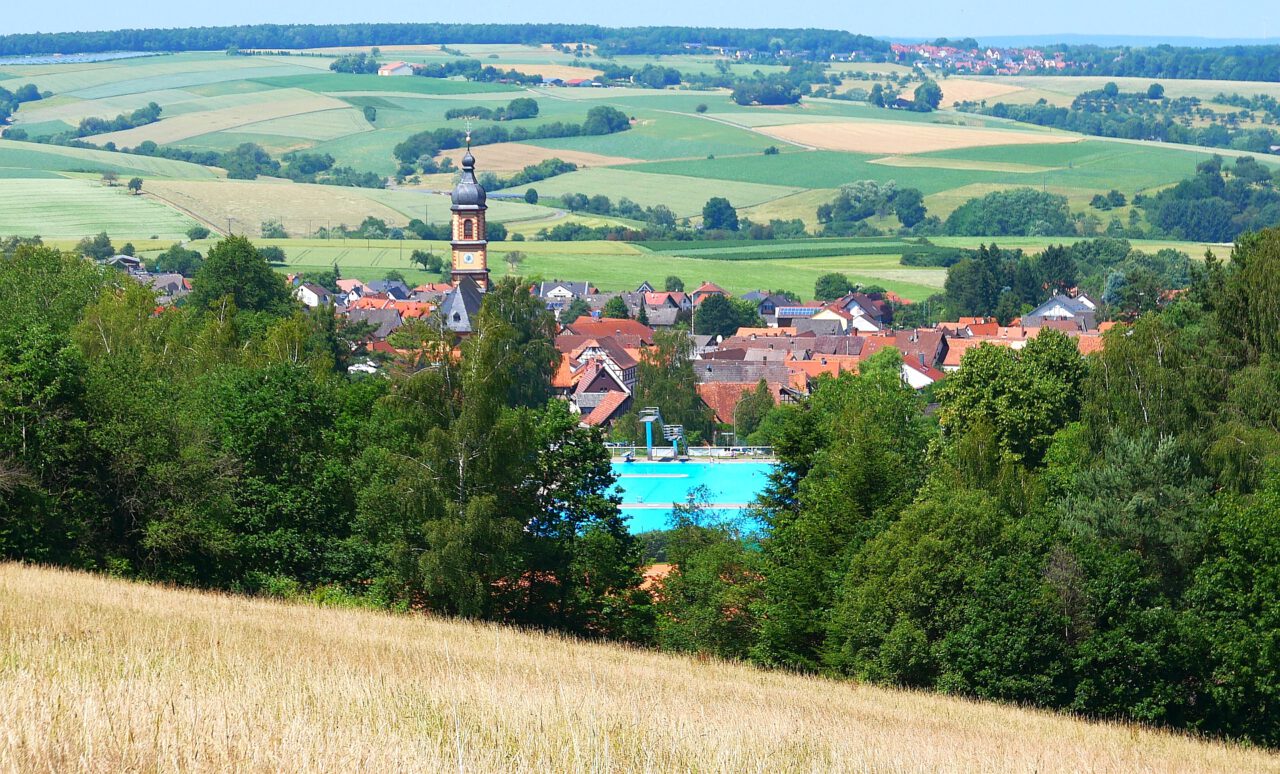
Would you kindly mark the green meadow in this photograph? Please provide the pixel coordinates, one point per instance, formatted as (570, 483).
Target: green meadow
(611, 265)
(683, 147)
(75, 208)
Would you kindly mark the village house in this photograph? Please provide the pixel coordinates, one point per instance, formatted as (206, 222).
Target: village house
(610, 326)
(395, 69)
(168, 287)
(394, 288)
(558, 294)
(707, 289)
(313, 295)
(1079, 311)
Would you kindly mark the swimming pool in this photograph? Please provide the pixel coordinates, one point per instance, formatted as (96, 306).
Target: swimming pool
(648, 489)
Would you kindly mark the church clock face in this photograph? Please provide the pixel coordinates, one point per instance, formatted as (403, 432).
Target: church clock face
(468, 258)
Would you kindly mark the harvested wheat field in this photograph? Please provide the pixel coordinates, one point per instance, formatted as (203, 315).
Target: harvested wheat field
(283, 102)
(961, 90)
(514, 156)
(565, 72)
(301, 207)
(890, 137)
(101, 675)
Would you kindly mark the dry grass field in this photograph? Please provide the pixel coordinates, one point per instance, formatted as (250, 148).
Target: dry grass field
(901, 137)
(514, 156)
(283, 102)
(304, 208)
(565, 72)
(962, 90)
(101, 675)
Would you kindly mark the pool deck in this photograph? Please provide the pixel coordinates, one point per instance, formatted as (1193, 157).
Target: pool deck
(697, 460)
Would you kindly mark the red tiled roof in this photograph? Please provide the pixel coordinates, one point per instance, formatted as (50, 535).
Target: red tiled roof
(1088, 343)
(605, 409)
(723, 397)
(615, 351)
(564, 377)
(607, 326)
(412, 309)
(927, 370)
(831, 365)
(660, 298)
(957, 347)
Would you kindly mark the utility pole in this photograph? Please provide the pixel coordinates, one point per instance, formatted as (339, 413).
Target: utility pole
(228, 225)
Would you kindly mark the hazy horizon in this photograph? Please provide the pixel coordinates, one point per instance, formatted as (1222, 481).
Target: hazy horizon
(1177, 19)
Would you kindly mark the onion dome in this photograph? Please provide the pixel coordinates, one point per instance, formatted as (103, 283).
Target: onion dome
(468, 192)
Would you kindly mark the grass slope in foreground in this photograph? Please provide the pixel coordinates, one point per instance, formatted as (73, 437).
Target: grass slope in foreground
(102, 675)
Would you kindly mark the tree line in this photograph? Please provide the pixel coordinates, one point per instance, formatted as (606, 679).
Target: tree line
(609, 40)
(221, 444)
(10, 100)
(1232, 63)
(1095, 535)
(1144, 115)
(415, 151)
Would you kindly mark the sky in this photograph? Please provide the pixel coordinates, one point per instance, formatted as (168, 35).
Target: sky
(918, 19)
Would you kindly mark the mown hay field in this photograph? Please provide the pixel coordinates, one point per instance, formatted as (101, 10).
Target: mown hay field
(877, 137)
(102, 675)
(514, 156)
(124, 76)
(77, 208)
(57, 158)
(1068, 86)
(967, 90)
(178, 128)
(684, 195)
(663, 135)
(242, 205)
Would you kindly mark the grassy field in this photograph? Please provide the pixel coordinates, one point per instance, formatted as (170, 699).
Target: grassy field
(619, 265)
(54, 158)
(102, 675)
(673, 154)
(1061, 89)
(685, 195)
(76, 208)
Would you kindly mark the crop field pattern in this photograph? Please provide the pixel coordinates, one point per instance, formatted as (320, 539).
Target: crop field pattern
(683, 147)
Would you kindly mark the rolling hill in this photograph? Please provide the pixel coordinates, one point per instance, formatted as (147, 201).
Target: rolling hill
(104, 675)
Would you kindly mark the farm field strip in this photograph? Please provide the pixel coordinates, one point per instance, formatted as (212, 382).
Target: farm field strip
(613, 265)
(177, 128)
(317, 125)
(863, 136)
(81, 79)
(184, 79)
(1072, 85)
(247, 203)
(77, 208)
(59, 158)
(514, 156)
(937, 162)
(684, 195)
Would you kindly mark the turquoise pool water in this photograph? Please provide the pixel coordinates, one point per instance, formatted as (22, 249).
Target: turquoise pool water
(649, 488)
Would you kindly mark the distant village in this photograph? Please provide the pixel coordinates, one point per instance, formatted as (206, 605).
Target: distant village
(797, 343)
(978, 61)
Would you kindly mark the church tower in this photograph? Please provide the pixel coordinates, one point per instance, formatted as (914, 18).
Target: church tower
(470, 248)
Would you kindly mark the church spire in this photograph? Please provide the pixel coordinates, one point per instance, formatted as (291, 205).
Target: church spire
(470, 247)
